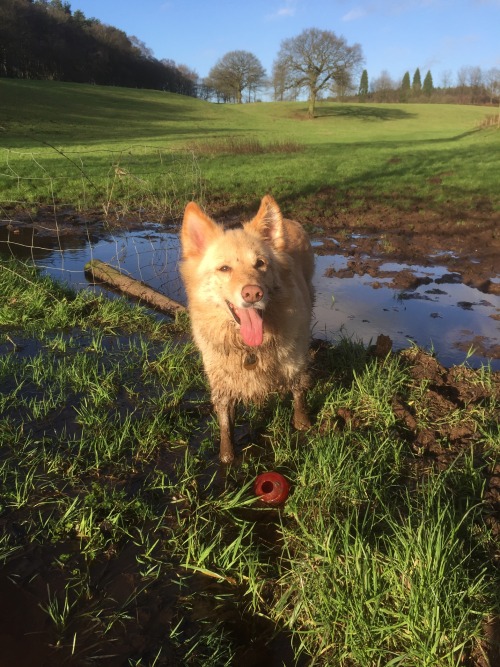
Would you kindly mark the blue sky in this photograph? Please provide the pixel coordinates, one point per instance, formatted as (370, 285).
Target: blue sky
(395, 35)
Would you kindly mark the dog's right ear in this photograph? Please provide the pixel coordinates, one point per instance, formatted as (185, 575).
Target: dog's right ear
(198, 230)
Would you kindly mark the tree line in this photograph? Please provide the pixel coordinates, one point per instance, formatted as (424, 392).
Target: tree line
(45, 39)
(311, 63)
(471, 86)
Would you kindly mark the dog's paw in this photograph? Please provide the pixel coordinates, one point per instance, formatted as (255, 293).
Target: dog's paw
(226, 457)
(301, 422)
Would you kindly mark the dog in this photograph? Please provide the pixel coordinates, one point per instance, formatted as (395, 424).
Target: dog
(250, 299)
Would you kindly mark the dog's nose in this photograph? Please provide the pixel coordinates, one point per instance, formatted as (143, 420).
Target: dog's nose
(252, 293)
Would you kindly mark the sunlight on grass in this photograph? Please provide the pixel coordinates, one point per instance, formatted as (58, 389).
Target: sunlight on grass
(127, 151)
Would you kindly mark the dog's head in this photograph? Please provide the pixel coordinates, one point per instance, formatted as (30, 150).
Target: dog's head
(235, 271)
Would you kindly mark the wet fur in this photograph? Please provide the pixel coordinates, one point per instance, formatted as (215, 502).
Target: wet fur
(274, 254)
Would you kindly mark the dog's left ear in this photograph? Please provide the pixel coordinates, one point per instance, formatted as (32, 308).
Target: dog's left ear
(268, 223)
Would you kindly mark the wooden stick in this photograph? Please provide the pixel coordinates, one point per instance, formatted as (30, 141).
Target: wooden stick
(102, 272)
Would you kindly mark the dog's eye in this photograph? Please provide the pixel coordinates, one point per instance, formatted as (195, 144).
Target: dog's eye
(259, 263)
(224, 268)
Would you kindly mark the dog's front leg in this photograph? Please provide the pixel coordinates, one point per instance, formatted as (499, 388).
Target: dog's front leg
(301, 419)
(225, 409)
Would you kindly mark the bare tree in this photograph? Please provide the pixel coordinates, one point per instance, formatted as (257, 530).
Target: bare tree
(235, 72)
(471, 84)
(384, 88)
(492, 83)
(343, 85)
(314, 60)
(446, 79)
(278, 81)
(141, 47)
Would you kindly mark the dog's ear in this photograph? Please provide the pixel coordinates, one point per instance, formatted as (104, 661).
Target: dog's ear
(268, 223)
(198, 230)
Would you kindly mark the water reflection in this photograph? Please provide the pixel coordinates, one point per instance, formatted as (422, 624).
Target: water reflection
(431, 316)
(440, 313)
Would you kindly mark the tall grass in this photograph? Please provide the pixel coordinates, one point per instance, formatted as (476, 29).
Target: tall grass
(243, 146)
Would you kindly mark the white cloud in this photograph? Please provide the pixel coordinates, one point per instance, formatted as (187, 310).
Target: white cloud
(355, 14)
(286, 11)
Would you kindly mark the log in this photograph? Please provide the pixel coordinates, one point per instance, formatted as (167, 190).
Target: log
(104, 273)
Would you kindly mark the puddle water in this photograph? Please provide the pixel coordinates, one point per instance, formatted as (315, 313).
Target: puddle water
(441, 314)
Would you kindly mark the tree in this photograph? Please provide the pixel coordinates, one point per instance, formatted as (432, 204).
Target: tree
(446, 79)
(313, 60)
(363, 85)
(428, 86)
(405, 87)
(384, 88)
(416, 85)
(492, 82)
(235, 72)
(142, 49)
(43, 39)
(278, 81)
(342, 85)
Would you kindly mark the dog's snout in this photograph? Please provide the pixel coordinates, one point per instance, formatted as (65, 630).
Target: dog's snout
(252, 293)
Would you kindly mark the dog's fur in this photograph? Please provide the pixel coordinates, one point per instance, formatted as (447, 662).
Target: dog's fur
(250, 299)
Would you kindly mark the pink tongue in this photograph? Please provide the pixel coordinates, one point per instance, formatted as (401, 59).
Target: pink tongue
(251, 327)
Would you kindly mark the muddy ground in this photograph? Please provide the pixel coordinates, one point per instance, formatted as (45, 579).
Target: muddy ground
(469, 246)
(371, 235)
(466, 242)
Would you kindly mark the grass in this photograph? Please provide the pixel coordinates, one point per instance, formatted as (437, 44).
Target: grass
(126, 151)
(118, 520)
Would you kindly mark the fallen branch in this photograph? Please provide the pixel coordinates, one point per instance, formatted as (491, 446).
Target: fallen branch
(103, 273)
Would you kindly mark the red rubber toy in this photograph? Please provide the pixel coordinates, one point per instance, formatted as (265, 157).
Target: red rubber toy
(272, 488)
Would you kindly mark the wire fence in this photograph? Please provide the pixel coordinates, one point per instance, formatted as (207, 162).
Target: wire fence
(60, 210)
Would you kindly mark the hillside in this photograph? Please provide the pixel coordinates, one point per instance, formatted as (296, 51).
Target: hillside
(66, 141)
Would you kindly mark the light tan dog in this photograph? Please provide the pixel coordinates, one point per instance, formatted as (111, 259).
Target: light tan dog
(250, 299)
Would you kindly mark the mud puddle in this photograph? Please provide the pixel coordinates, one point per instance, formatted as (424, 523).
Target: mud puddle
(357, 295)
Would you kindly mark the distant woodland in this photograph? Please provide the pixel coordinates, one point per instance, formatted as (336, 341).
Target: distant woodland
(45, 39)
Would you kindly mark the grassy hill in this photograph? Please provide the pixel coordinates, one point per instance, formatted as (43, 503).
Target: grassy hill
(87, 146)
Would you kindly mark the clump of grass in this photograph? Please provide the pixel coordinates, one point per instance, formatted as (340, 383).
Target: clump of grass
(491, 120)
(377, 575)
(36, 304)
(243, 146)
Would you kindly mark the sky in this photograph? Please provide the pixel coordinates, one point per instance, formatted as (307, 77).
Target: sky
(396, 36)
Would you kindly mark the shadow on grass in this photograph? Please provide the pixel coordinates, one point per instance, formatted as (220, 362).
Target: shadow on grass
(369, 113)
(72, 114)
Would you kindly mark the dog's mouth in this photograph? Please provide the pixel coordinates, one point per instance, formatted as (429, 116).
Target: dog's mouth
(250, 321)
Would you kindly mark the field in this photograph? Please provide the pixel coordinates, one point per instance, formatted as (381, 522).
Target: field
(127, 151)
(122, 540)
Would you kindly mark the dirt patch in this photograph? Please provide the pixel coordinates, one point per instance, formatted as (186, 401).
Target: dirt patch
(468, 246)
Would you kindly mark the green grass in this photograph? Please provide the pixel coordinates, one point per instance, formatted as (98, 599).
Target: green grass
(124, 150)
(108, 473)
